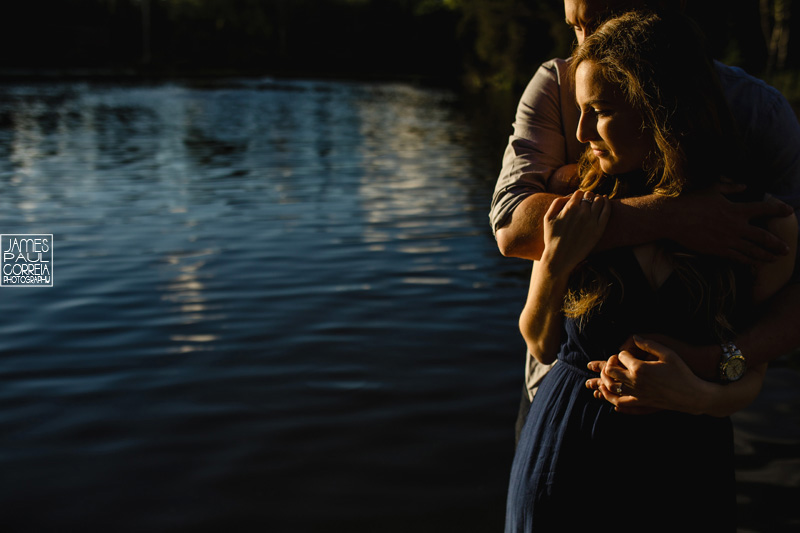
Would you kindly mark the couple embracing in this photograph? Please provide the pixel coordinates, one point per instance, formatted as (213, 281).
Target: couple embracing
(658, 285)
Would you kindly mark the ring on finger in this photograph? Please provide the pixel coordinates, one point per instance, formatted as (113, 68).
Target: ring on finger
(590, 200)
(618, 389)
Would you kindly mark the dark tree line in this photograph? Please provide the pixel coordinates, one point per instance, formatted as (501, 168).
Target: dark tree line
(484, 43)
(342, 37)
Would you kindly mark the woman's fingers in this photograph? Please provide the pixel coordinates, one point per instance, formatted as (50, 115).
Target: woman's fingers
(596, 366)
(556, 206)
(612, 376)
(617, 375)
(604, 206)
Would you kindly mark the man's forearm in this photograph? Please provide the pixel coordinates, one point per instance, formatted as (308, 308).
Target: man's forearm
(522, 236)
(776, 332)
(633, 221)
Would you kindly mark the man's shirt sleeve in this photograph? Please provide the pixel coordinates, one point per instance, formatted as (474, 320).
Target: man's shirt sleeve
(536, 148)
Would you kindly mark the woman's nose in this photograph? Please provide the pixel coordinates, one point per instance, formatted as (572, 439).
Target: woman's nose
(586, 128)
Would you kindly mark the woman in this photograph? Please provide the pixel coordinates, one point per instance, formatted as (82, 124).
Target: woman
(655, 122)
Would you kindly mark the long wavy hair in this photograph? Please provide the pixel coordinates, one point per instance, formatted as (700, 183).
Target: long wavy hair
(660, 65)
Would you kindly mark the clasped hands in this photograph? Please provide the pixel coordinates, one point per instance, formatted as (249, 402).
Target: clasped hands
(646, 376)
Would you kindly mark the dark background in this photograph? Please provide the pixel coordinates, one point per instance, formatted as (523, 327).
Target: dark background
(483, 44)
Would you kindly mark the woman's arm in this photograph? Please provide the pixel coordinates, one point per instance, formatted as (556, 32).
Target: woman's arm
(572, 227)
(540, 320)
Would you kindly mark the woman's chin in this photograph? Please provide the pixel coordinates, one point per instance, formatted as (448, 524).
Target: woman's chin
(616, 169)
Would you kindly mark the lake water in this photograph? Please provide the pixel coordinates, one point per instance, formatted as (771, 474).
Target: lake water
(276, 305)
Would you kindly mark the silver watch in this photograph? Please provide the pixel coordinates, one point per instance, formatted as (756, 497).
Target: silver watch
(733, 364)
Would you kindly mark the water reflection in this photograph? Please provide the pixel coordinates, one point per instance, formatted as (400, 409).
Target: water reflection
(267, 293)
(254, 306)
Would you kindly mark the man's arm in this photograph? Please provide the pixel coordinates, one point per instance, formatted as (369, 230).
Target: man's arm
(522, 237)
(536, 167)
(655, 380)
(772, 133)
(776, 333)
(653, 384)
(662, 381)
(543, 141)
(704, 221)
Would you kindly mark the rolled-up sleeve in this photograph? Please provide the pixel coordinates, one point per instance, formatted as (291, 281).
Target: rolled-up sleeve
(535, 149)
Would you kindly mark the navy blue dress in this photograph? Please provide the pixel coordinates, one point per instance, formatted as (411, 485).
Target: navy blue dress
(581, 465)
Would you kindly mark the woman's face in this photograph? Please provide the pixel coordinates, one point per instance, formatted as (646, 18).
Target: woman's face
(609, 123)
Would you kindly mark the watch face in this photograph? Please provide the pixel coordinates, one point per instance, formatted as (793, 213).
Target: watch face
(734, 368)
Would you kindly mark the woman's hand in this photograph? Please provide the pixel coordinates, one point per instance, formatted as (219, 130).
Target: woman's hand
(647, 376)
(572, 227)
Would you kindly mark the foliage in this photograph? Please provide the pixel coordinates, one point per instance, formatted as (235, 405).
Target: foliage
(487, 44)
(509, 39)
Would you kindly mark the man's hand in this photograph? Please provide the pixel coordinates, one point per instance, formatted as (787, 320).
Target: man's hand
(703, 361)
(647, 377)
(707, 222)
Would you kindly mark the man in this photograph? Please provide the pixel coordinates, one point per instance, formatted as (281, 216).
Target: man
(539, 164)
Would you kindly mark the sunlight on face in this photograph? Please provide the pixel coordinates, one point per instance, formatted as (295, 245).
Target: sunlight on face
(611, 126)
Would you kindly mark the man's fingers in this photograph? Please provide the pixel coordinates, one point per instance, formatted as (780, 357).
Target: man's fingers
(627, 359)
(763, 245)
(769, 208)
(650, 346)
(754, 257)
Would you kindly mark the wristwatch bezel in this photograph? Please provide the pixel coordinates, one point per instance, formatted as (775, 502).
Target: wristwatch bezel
(733, 364)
